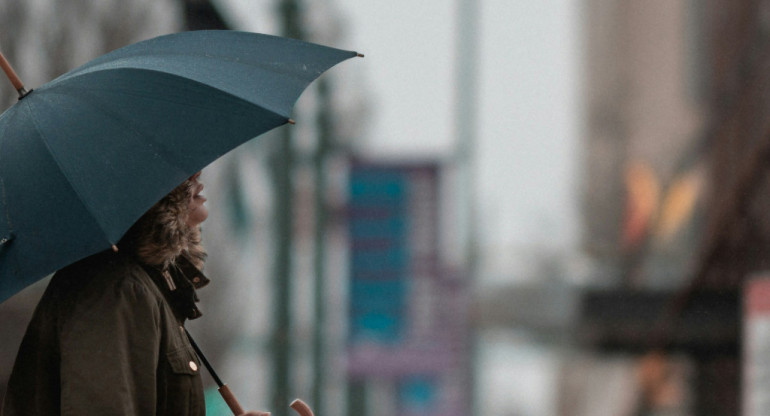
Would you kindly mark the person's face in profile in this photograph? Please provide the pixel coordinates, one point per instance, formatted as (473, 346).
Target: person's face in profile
(197, 212)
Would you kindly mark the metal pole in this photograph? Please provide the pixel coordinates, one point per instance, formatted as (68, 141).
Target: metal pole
(465, 144)
(357, 404)
(282, 161)
(319, 261)
(465, 156)
(284, 190)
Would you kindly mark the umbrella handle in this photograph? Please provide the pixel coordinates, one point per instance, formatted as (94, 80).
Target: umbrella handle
(11, 74)
(230, 399)
(297, 405)
(301, 407)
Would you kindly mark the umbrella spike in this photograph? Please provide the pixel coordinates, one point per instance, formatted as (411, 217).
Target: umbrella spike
(114, 248)
(292, 122)
(11, 74)
(360, 55)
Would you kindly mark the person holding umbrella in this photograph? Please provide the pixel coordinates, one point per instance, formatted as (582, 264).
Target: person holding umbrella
(107, 337)
(90, 171)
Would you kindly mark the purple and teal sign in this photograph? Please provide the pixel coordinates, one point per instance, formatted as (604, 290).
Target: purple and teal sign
(380, 261)
(407, 316)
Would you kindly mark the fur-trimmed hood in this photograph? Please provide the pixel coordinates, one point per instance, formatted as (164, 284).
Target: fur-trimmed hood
(162, 234)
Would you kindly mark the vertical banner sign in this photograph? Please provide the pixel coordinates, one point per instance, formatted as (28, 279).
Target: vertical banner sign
(756, 341)
(379, 228)
(407, 317)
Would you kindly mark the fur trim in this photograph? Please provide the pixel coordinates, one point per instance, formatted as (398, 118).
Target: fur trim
(161, 235)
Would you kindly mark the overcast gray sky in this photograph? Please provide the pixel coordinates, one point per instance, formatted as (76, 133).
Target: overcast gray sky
(528, 133)
(528, 87)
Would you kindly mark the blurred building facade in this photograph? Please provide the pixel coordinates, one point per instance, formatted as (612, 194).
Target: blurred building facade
(676, 195)
(643, 178)
(644, 123)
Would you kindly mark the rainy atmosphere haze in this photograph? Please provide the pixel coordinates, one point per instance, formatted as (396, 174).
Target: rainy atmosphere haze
(505, 208)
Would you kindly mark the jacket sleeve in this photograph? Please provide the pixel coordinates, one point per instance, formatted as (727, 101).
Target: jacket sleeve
(109, 353)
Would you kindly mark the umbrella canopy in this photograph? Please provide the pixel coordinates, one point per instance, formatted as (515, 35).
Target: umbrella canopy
(85, 155)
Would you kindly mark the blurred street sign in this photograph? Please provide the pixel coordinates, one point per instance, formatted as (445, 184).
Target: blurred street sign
(408, 318)
(379, 259)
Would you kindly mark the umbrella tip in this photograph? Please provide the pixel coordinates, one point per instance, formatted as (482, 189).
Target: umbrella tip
(292, 121)
(114, 248)
(360, 55)
(11, 74)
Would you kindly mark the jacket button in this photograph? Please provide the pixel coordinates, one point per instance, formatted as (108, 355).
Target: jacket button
(196, 279)
(193, 366)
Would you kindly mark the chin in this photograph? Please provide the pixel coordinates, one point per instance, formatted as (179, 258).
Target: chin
(197, 217)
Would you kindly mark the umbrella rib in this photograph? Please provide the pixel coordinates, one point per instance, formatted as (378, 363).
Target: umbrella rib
(80, 198)
(84, 95)
(103, 109)
(264, 106)
(3, 195)
(61, 89)
(94, 102)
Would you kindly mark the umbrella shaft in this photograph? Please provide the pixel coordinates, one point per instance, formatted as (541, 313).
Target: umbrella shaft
(224, 391)
(204, 360)
(231, 401)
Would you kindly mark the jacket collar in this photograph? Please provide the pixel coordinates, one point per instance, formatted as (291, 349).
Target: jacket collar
(194, 275)
(178, 285)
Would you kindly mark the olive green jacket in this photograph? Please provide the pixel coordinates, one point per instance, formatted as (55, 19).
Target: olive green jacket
(107, 338)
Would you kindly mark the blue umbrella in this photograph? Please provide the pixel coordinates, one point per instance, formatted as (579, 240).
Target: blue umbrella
(85, 155)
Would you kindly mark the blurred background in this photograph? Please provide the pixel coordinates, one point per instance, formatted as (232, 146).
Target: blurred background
(509, 208)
